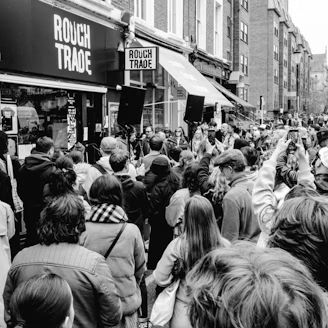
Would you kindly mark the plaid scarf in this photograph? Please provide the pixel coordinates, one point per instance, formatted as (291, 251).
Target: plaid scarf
(104, 213)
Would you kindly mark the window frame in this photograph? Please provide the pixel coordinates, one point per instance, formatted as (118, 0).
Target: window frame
(177, 20)
(244, 4)
(244, 32)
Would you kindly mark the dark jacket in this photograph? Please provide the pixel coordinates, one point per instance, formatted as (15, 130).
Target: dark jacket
(32, 177)
(96, 302)
(5, 190)
(161, 232)
(135, 201)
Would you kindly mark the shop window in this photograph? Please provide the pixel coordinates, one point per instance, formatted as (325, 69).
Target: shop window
(42, 112)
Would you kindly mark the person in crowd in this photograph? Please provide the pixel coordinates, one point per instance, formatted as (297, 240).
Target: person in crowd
(263, 143)
(174, 212)
(230, 137)
(63, 180)
(322, 137)
(240, 143)
(121, 141)
(163, 185)
(145, 144)
(196, 141)
(156, 145)
(7, 231)
(43, 301)
(135, 200)
(135, 146)
(32, 177)
(107, 146)
(300, 228)
(109, 234)
(245, 286)
(168, 132)
(179, 139)
(252, 159)
(166, 144)
(268, 197)
(62, 222)
(200, 236)
(239, 220)
(186, 158)
(80, 167)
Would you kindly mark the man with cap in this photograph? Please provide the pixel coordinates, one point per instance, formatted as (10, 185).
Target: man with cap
(264, 142)
(107, 146)
(239, 220)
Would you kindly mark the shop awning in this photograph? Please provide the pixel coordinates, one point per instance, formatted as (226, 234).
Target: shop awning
(188, 76)
(231, 96)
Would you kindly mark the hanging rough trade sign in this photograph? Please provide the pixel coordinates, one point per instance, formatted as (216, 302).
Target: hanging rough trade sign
(144, 59)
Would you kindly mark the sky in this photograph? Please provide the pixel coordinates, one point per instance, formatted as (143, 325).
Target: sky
(311, 17)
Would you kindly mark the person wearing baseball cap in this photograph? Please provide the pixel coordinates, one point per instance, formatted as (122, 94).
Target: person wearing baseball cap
(264, 142)
(239, 220)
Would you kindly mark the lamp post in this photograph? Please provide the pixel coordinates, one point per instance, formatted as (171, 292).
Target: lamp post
(297, 59)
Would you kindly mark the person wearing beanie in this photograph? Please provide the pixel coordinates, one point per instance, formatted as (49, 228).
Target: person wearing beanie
(165, 184)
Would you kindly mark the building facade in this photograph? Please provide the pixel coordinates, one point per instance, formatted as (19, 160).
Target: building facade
(275, 74)
(319, 83)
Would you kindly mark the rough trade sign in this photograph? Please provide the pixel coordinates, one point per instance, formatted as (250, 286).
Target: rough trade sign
(144, 59)
(73, 43)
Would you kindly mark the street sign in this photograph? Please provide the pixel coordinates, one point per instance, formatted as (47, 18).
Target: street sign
(141, 58)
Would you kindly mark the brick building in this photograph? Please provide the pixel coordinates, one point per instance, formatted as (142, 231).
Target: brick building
(274, 73)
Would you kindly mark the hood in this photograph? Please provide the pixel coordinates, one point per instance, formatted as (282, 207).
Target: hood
(244, 181)
(104, 162)
(37, 162)
(81, 168)
(127, 182)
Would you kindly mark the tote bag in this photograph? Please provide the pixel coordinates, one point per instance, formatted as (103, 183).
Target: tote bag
(163, 308)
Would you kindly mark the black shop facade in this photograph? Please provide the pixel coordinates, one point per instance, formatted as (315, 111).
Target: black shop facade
(58, 69)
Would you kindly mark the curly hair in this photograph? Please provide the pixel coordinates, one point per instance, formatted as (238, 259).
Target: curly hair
(190, 178)
(220, 186)
(301, 228)
(246, 286)
(62, 220)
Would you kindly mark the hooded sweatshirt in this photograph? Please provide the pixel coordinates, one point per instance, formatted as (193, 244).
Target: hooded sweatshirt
(135, 200)
(32, 177)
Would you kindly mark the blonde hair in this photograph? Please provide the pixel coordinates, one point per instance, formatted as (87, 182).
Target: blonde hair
(245, 286)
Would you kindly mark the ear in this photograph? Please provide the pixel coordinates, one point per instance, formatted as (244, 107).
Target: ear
(65, 324)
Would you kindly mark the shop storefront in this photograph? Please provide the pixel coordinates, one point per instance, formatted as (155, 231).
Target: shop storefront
(55, 69)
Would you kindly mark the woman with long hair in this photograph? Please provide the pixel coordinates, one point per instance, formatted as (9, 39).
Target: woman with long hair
(43, 301)
(179, 139)
(200, 236)
(196, 142)
(109, 234)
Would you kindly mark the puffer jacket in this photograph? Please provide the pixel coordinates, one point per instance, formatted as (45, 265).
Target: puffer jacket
(96, 302)
(127, 259)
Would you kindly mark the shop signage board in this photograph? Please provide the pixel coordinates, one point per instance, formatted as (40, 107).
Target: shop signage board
(141, 58)
(38, 38)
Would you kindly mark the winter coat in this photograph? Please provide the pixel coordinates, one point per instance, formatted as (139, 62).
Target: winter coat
(239, 220)
(135, 201)
(127, 258)
(161, 232)
(163, 277)
(96, 302)
(32, 177)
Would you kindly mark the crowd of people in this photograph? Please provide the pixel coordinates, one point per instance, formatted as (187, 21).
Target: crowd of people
(231, 223)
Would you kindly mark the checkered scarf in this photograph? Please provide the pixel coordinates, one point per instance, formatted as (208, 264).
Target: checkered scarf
(105, 213)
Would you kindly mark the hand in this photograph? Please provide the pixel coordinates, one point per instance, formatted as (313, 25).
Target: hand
(282, 145)
(300, 151)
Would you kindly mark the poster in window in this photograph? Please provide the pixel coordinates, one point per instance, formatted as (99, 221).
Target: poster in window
(9, 118)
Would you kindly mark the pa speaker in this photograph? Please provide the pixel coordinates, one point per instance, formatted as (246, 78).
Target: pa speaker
(131, 105)
(194, 108)
(208, 114)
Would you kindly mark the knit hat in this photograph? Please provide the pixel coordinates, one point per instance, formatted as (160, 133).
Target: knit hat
(322, 135)
(160, 165)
